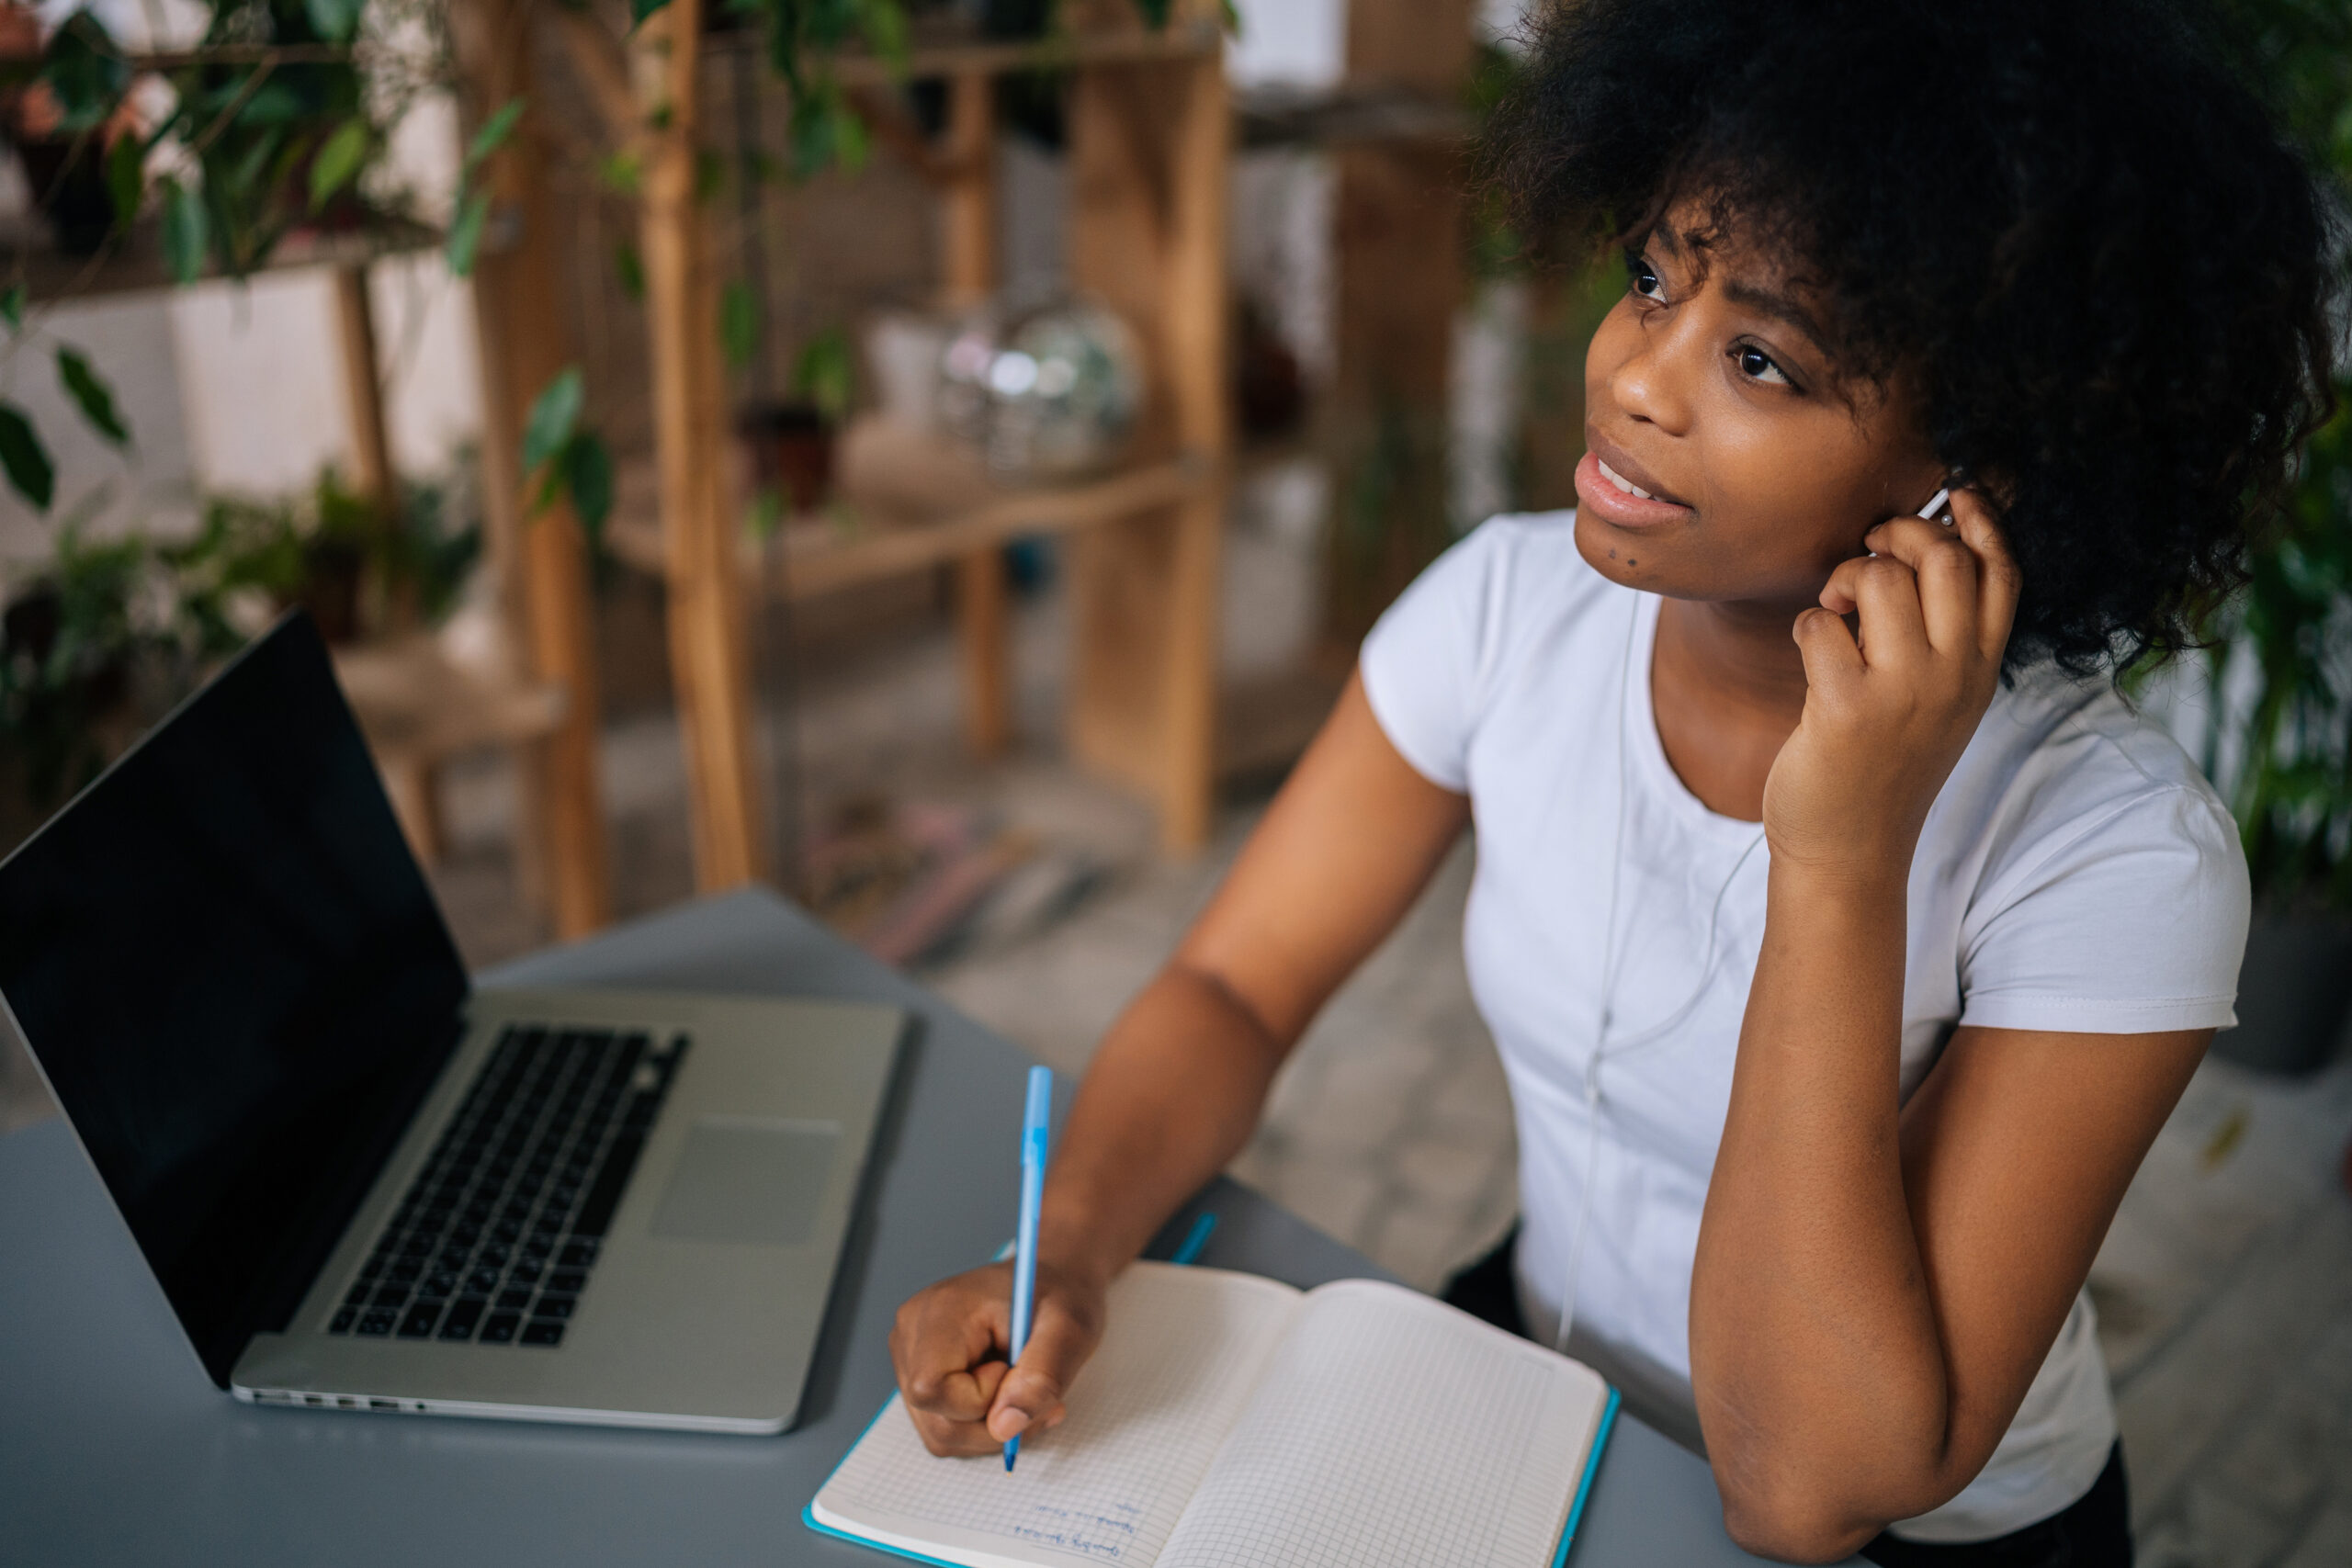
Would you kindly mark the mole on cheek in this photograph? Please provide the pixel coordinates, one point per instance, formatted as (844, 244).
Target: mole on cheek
(1632, 560)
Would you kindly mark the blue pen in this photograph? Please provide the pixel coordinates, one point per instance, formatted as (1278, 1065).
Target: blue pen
(1035, 1129)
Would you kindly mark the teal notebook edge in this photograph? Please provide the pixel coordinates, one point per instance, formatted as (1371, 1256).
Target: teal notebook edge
(1568, 1532)
(1584, 1487)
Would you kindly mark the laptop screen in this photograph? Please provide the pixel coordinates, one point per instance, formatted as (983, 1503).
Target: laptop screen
(238, 983)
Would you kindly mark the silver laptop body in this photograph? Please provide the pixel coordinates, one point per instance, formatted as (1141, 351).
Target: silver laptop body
(363, 1184)
(699, 1303)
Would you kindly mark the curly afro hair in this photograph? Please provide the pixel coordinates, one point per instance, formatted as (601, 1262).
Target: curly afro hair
(2068, 225)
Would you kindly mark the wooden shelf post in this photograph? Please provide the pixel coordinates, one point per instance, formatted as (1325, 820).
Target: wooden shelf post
(967, 231)
(541, 557)
(414, 784)
(1398, 250)
(709, 642)
(1149, 145)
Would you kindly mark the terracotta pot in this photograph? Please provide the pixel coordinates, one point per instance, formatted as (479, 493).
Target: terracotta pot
(791, 448)
(2294, 993)
(69, 184)
(332, 570)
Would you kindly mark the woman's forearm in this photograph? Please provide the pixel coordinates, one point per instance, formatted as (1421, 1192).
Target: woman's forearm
(1815, 1353)
(1170, 1097)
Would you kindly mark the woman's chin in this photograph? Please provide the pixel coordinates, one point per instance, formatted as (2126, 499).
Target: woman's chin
(1630, 563)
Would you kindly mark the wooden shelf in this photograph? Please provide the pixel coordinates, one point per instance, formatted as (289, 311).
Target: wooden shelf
(911, 502)
(944, 54)
(416, 704)
(1350, 114)
(135, 262)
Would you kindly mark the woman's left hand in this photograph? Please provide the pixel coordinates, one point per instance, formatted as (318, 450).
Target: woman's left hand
(1888, 712)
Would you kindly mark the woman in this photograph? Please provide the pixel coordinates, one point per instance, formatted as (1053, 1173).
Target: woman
(1846, 935)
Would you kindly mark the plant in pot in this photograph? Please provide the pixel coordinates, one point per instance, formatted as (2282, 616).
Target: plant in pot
(790, 440)
(95, 647)
(2280, 663)
(64, 108)
(334, 553)
(2281, 670)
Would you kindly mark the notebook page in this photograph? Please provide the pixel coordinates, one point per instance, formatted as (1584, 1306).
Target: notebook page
(1392, 1429)
(1181, 1351)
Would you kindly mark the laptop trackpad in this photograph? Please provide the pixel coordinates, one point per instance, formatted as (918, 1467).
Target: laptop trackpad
(747, 1179)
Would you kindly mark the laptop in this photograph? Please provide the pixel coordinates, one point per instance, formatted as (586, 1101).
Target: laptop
(363, 1184)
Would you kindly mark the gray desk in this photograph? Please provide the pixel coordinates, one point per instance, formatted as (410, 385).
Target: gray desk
(116, 1448)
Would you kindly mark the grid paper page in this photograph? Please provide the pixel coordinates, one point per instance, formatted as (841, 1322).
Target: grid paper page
(1180, 1354)
(1390, 1428)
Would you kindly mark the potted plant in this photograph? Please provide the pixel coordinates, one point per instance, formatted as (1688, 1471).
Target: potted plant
(95, 647)
(2279, 664)
(2282, 748)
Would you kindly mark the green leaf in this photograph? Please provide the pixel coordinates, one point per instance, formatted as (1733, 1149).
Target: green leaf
(823, 374)
(188, 230)
(90, 394)
(852, 144)
(765, 514)
(555, 414)
(631, 268)
(494, 133)
(588, 474)
(25, 459)
(274, 102)
(334, 20)
(340, 159)
(809, 134)
(12, 306)
(710, 174)
(85, 72)
(739, 324)
(126, 177)
(622, 173)
(640, 9)
(465, 234)
(884, 23)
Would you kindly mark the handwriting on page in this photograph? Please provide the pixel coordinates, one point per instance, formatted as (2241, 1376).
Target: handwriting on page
(1145, 1417)
(1108, 1536)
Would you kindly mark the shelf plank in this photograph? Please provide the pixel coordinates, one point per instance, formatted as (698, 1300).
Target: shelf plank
(135, 262)
(856, 68)
(819, 561)
(416, 704)
(819, 557)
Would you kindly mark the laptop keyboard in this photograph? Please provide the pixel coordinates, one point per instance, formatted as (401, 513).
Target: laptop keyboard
(497, 1235)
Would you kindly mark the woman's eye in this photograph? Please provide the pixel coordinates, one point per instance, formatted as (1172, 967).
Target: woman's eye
(1643, 279)
(1758, 365)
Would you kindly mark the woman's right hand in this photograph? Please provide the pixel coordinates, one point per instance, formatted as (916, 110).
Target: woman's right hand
(952, 1341)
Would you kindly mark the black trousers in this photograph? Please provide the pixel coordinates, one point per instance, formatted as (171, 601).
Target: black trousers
(2095, 1532)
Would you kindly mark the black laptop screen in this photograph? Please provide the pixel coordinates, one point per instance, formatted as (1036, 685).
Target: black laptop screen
(238, 983)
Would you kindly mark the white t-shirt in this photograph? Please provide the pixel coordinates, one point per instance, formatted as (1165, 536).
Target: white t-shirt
(2075, 874)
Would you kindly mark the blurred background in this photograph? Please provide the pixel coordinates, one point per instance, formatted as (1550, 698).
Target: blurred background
(938, 460)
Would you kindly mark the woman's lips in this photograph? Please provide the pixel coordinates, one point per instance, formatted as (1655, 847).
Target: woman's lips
(1595, 490)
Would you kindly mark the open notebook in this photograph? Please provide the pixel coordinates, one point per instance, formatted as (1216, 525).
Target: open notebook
(1228, 1420)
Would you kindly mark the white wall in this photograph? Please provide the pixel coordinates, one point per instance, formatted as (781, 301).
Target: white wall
(1300, 43)
(129, 341)
(259, 363)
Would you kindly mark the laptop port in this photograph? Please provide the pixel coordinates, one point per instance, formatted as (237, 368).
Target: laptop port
(383, 1404)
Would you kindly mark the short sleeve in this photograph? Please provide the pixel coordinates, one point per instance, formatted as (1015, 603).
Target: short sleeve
(1428, 661)
(2134, 924)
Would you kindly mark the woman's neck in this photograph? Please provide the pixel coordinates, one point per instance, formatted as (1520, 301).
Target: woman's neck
(1727, 685)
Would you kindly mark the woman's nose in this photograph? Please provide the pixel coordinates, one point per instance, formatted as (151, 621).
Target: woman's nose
(1651, 385)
